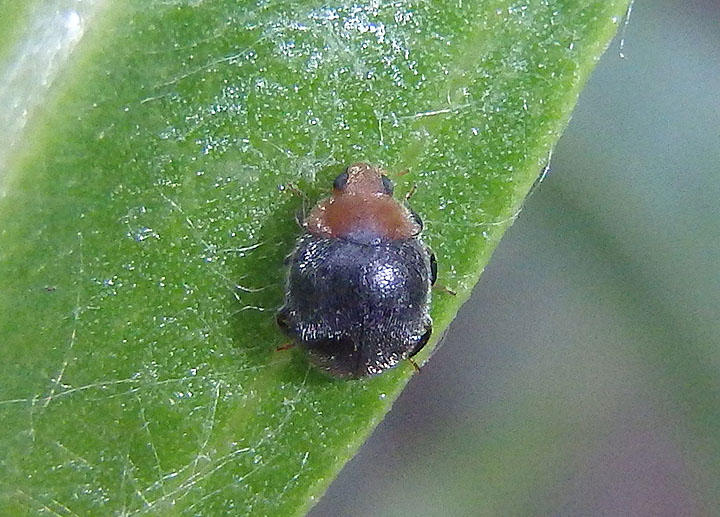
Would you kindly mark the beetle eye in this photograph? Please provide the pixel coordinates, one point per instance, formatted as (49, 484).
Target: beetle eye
(341, 181)
(388, 185)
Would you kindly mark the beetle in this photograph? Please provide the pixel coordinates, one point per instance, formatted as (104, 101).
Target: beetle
(358, 289)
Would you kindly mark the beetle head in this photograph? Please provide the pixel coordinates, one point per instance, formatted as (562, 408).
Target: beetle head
(364, 180)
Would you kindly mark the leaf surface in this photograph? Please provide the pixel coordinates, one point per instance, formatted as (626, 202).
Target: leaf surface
(142, 231)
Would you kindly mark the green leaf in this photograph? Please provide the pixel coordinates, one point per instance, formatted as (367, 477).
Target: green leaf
(143, 234)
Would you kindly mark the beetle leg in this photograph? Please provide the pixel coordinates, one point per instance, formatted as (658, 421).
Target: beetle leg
(411, 192)
(433, 268)
(444, 289)
(414, 364)
(293, 189)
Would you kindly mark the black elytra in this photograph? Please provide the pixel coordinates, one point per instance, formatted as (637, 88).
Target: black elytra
(358, 289)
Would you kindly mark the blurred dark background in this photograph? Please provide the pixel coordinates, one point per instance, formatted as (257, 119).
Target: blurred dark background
(583, 377)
